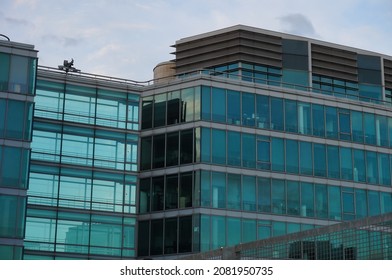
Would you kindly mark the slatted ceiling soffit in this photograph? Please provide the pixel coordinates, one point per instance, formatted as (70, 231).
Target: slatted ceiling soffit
(239, 45)
(388, 73)
(336, 63)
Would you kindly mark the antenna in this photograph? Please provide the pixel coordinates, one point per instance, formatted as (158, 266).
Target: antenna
(68, 66)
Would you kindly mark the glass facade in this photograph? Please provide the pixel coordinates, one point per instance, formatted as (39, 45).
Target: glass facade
(246, 147)
(18, 65)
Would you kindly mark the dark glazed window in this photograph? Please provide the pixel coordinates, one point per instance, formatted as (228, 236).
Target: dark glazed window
(145, 153)
(185, 234)
(157, 194)
(186, 190)
(173, 107)
(233, 107)
(172, 148)
(143, 243)
(159, 151)
(186, 146)
(159, 110)
(171, 193)
(147, 112)
(171, 236)
(144, 196)
(156, 237)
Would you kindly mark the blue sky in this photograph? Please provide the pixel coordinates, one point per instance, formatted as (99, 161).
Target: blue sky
(128, 38)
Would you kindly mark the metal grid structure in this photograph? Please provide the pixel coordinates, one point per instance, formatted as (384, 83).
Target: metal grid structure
(364, 239)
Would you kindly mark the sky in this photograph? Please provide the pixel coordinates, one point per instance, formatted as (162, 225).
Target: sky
(128, 38)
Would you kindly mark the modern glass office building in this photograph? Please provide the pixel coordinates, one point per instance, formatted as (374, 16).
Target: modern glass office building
(247, 134)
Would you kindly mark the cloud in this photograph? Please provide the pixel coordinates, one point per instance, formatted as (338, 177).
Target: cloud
(16, 21)
(64, 41)
(298, 24)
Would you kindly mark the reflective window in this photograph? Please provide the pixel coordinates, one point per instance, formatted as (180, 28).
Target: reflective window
(147, 105)
(159, 148)
(185, 234)
(382, 131)
(346, 166)
(205, 191)
(361, 203)
(331, 122)
(371, 167)
(248, 150)
(307, 200)
(233, 191)
(306, 158)
(12, 209)
(333, 162)
(320, 160)
(172, 148)
(318, 120)
(156, 239)
(248, 109)
(321, 201)
(370, 129)
(146, 152)
(293, 198)
(357, 126)
(374, 203)
(233, 107)
(157, 191)
(218, 105)
(277, 114)
(185, 190)
(144, 195)
(304, 118)
(291, 116)
(359, 166)
(344, 125)
(206, 103)
(233, 148)
(233, 236)
(218, 146)
(170, 236)
(278, 196)
(263, 153)
(186, 146)
(218, 190)
(334, 198)
(171, 192)
(263, 111)
(205, 144)
(249, 193)
(292, 163)
(187, 104)
(159, 109)
(248, 230)
(384, 170)
(277, 153)
(173, 107)
(264, 195)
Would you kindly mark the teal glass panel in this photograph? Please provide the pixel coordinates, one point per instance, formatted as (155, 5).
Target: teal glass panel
(205, 192)
(5, 61)
(370, 129)
(321, 201)
(19, 74)
(264, 194)
(374, 203)
(390, 131)
(291, 116)
(344, 125)
(292, 163)
(187, 108)
(206, 103)
(386, 202)
(233, 191)
(277, 154)
(306, 158)
(331, 122)
(233, 148)
(72, 236)
(370, 93)
(278, 196)
(334, 198)
(295, 79)
(318, 120)
(3, 103)
(248, 150)
(381, 131)
(307, 200)
(371, 167)
(333, 162)
(263, 111)
(359, 166)
(293, 198)
(75, 192)
(384, 169)
(16, 117)
(27, 133)
(293, 228)
(205, 144)
(197, 92)
(205, 233)
(218, 146)
(147, 108)
(248, 193)
(111, 108)
(218, 232)
(346, 165)
(277, 120)
(12, 222)
(361, 203)
(357, 126)
(233, 107)
(233, 234)
(263, 154)
(304, 118)
(248, 230)
(10, 252)
(348, 203)
(320, 160)
(248, 109)
(218, 105)
(80, 103)
(41, 230)
(264, 230)
(10, 170)
(278, 228)
(218, 190)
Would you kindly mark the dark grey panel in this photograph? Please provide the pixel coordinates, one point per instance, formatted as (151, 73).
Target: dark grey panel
(388, 73)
